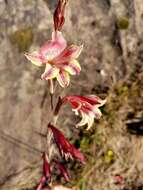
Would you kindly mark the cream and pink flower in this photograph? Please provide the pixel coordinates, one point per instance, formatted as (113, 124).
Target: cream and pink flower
(58, 58)
(86, 106)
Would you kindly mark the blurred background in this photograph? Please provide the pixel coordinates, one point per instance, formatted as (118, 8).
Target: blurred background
(112, 67)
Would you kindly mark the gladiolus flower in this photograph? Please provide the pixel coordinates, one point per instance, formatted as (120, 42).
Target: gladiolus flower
(87, 107)
(65, 148)
(58, 58)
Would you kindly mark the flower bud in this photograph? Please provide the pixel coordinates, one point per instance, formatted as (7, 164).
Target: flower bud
(59, 18)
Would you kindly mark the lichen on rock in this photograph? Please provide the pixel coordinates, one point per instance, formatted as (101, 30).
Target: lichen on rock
(22, 38)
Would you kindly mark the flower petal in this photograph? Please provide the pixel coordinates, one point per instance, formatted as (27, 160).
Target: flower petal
(90, 120)
(94, 100)
(84, 119)
(35, 58)
(50, 72)
(71, 52)
(73, 67)
(63, 78)
(54, 47)
(97, 112)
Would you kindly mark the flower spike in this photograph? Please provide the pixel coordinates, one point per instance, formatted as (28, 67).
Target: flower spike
(60, 63)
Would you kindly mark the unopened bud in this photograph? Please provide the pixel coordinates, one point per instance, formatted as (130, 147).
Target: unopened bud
(59, 18)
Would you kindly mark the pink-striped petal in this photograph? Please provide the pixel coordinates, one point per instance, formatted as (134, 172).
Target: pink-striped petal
(63, 78)
(73, 67)
(89, 99)
(94, 100)
(35, 58)
(71, 52)
(50, 72)
(54, 47)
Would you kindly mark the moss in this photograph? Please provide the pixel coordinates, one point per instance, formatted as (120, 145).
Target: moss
(22, 38)
(97, 139)
(84, 143)
(121, 90)
(122, 23)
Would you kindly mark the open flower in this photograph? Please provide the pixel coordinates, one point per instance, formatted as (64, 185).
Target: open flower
(87, 107)
(58, 58)
(65, 148)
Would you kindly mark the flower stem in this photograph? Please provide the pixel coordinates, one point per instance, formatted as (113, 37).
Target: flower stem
(51, 101)
(58, 106)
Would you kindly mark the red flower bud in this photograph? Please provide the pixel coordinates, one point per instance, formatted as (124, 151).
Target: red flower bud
(46, 167)
(59, 18)
(65, 148)
(41, 183)
(46, 173)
